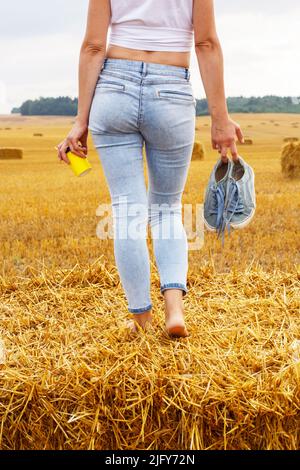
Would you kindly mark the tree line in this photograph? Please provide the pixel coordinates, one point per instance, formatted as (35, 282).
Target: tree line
(61, 106)
(66, 106)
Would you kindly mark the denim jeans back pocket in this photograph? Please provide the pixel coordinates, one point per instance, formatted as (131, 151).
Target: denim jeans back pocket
(175, 94)
(104, 84)
(178, 93)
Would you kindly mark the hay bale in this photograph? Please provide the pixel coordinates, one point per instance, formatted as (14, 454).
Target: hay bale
(276, 124)
(247, 141)
(38, 134)
(249, 125)
(291, 139)
(290, 160)
(7, 128)
(10, 153)
(199, 126)
(198, 151)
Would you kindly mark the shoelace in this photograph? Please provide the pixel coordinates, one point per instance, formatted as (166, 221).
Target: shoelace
(219, 204)
(225, 208)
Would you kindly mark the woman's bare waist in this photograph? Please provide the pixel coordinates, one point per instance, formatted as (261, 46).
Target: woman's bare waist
(179, 59)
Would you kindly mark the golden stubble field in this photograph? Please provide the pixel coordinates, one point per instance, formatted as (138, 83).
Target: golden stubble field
(48, 216)
(73, 378)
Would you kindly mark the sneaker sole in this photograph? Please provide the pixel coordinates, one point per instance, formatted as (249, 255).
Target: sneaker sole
(244, 223)
(210, 228)
(235, 226)
(250, 217)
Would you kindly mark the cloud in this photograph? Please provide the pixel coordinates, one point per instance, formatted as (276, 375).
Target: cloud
(40, 42)
(35, 18)
(268, 8)
(40, 67)
(261, 52)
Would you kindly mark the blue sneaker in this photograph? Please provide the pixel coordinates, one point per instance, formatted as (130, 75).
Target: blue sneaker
(215, 194)
(241, 199)
(230, 197)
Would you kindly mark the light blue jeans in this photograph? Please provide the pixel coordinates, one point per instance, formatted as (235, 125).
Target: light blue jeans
(137, 103)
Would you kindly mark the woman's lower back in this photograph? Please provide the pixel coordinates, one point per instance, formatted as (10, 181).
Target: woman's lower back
(179, 59)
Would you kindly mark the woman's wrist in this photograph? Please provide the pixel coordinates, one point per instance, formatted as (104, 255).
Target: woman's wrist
(217, 118)
(219, 113)
(81, 121)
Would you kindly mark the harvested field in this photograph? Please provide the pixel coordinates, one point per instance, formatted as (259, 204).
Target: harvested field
(71, 377)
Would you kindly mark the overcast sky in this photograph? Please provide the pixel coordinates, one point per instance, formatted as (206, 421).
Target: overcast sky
(40, 42)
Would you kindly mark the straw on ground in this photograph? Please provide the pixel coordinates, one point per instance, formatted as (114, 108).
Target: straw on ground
(75, 379)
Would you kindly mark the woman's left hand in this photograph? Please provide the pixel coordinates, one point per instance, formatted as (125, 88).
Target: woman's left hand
(224, 133)
(78, 134)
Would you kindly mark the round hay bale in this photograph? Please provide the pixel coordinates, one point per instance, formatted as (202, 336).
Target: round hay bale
(10, 153)
(7, 128)
(291, 139)
(198, 151)
(250, 125)
(276, 124)
(38, 134)
(290, 160)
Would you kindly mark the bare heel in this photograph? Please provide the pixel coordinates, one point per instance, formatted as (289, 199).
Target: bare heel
(179, 331)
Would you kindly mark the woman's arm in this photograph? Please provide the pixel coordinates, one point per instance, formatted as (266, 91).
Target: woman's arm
(92, 54)
(210, 59)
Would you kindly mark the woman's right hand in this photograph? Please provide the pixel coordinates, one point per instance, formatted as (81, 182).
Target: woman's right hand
(76, 140)
(225, 132)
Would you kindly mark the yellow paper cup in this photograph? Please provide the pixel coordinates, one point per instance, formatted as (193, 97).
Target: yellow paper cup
(80, 166)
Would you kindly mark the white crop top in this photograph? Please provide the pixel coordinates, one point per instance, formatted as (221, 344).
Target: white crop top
(152, 25)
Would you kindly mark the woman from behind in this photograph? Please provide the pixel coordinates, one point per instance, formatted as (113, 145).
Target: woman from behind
(135, 91)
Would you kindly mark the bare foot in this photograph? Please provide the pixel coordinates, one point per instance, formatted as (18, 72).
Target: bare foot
(131, 325)
(175, 325)
(141, 319)
(174, 312)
